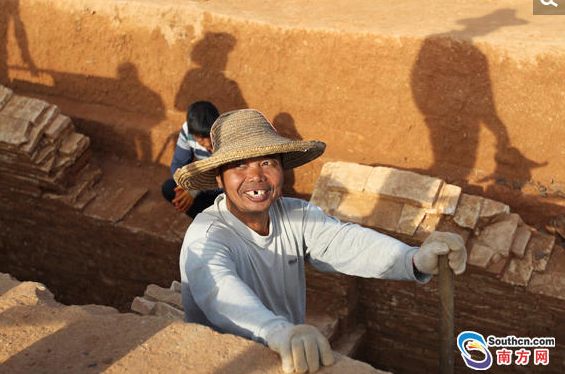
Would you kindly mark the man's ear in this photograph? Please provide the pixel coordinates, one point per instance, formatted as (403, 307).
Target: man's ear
(219, 178)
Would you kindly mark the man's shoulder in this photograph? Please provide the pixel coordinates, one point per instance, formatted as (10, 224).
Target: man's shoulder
(208, 225)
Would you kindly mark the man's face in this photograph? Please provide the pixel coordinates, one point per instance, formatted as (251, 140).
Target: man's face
(204, 141)
(252, 186)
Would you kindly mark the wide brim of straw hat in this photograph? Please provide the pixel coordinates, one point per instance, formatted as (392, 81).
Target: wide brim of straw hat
(201, 175)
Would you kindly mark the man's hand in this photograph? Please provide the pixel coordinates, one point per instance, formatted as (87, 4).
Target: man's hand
(183, 199)
(301, 347)
(441, 243)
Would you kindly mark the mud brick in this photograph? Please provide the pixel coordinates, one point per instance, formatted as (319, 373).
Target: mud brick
(468, 209)
(74, 144)
(14, 132)
(5, 96)
(385, 214)
(328, 201)
(427, 226)
(347, 176)
(404, 186)
(166, 295)
(480, 255)
(165, 310)
(84, 199)
(523, 235)
(59, 129)
(447, 200)
(519, 270)
(551, 282)
(142, 306)
(25, 108)
(540, 245)
(491, 208)
(500, 235)
(410, 219)
(356, 207)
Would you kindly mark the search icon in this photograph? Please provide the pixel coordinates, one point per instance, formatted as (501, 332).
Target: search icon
(548, 2)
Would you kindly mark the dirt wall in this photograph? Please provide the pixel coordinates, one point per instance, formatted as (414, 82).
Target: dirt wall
(475, 99)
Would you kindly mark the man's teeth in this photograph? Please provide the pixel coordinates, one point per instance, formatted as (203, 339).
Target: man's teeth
(256, 192)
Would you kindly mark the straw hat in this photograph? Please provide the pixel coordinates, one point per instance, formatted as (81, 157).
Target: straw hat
(243, 134)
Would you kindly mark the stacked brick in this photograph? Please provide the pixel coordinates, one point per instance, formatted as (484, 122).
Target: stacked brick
(410, 206)
(167, 302)
(40, 152)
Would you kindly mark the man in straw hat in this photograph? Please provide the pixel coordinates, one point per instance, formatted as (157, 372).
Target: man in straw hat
(242, 260)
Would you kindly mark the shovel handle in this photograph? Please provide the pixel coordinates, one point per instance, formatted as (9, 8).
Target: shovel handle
(446, 338)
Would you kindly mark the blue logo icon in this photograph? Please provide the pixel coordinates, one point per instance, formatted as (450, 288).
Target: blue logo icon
(469, 341)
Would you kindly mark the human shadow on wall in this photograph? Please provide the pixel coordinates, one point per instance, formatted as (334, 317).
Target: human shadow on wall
(452, 88)
(206, 79)
(284, 124)
(120, 99)
(11, 11)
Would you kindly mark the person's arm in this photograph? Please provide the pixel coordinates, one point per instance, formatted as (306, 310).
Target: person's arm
(351, 249)
(225, 299)
(347, 248)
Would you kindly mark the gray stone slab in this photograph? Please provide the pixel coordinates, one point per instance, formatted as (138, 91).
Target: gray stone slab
(25, 108)
(14, 132)
(5, 96)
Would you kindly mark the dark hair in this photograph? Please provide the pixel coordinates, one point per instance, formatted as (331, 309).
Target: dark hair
(200, 116)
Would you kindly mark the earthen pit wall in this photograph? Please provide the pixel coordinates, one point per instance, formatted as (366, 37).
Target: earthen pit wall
(118, 67)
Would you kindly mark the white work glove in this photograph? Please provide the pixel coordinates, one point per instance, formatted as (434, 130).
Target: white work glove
(301, 347)
(441, 243)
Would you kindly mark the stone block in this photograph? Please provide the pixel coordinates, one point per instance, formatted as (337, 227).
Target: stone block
(427, 226)
(175, 286)
(523, 235)
(551, 282)
(410, 219)
(491, 208)
(540, 245)
(404, 186)
(142, 306)
(497, 264)
(500, 235)
(447, 223)
(519, 270)
(447, 200)
(480, 255)
(468, 209)
(325, 323)
(5, 96)
(166, 295)
(13, 131)
(356, 207)
(385, 215)
(347, 176)
(167, 311)
(326, 200)
(74, 144)
(113, 204)
(59, 129)
(26, 108)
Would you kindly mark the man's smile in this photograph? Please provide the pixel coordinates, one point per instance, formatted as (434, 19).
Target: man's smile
(257, 195)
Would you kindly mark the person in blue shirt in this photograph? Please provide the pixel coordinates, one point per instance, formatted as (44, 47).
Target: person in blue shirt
(193, 144)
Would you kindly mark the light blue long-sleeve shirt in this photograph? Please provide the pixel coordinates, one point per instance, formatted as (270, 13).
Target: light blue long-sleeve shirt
(243, 283)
